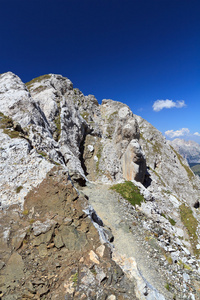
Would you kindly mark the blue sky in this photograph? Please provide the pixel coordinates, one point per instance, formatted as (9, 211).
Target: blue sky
(133, 51)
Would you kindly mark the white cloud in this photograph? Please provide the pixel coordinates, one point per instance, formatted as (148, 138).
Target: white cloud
(160, 104)
(197, 133)
(173, 134)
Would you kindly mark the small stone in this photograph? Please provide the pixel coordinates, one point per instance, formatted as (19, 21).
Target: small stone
(58, 241)
(42, 227)
(198, 246)
(186, 277)
(43, 238)
(81, 260)
(27, 295)
(88, 279)
(100, 250)
(2, 264)
(170, 249)
(191, 261)
(43, 290)
(58, 265)
(50, 246)
(100, 275)
(90, 148)
(95, 158)
(30, 287)
(186, 250)
(67, 221)
(93, 257)
(43, 250)
(112, 297)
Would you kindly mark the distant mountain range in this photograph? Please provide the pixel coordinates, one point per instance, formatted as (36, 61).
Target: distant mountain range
(195, 168)
(190, 150)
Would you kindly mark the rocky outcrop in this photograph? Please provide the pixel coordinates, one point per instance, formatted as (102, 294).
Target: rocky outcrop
(166, 169)
(105, 156)
(52, 250)
(54, 142)
(73, 130)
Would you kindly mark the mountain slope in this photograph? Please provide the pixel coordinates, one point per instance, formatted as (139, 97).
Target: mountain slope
(54, 143)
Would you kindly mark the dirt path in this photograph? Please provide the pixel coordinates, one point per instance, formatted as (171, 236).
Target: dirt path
(108, 207)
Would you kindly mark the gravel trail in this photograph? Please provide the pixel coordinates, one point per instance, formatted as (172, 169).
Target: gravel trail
(108, 207)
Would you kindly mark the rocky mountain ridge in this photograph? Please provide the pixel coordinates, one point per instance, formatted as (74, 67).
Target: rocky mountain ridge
(55, 142)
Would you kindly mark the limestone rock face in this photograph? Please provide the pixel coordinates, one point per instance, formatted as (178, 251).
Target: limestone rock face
(106, 155)
(134, 165)
(167, 169)
(16, 102)
(21, 169)
(62, 123)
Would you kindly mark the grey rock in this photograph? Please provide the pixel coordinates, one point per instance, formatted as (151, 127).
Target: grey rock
(58, 241)
(13, 271)
(43, 238)
(186, 277)
(42, 227)
(72, 238)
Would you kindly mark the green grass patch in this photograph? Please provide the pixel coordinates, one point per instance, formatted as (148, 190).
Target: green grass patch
(93, 271)
(112, 116)
(25, 212)
(76, 91)
(98, 154)
(74, 278)
(172, 221)
(111, 124)
(167, 192)
(168, 259)
(187, 168)
(39, 89)
(18, 189)
(167, 286)
(37, 79)
(156, 147)
(42, 153)
(58, 127)
(85, 116)
(184, 266)
(11, 133)
(32, 221)
(129, 192)
(6, 123)
(191, 224)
